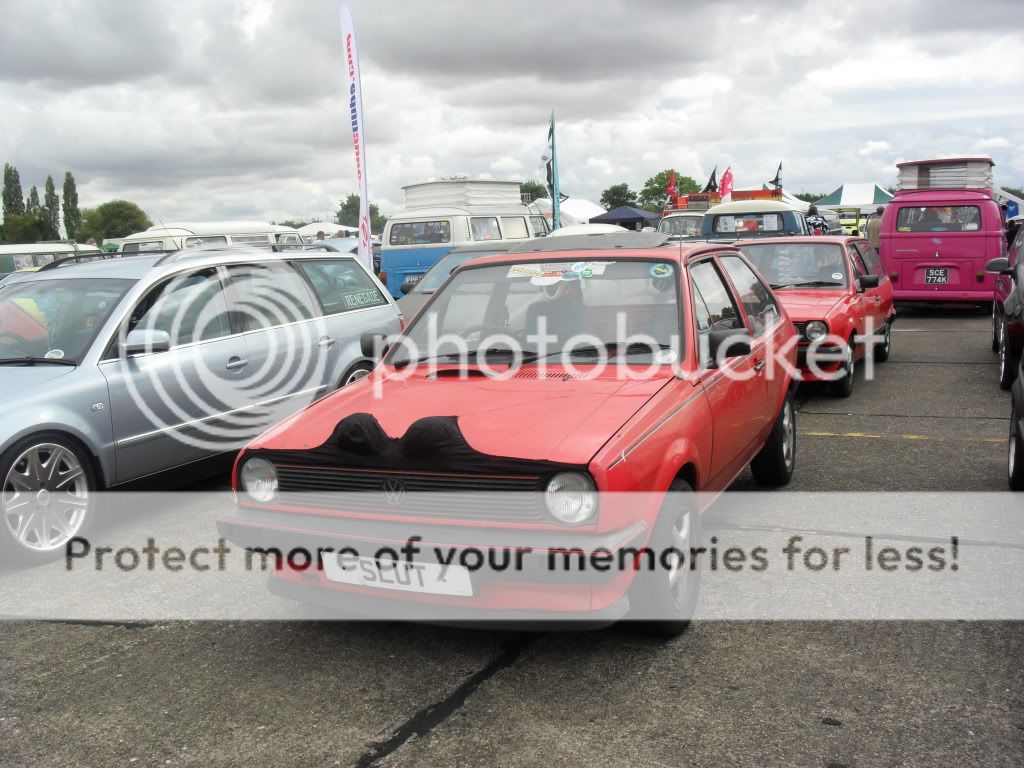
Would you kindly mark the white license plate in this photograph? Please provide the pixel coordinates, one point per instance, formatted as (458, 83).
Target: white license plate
(936, 276)
(401, 575)
(413, 279)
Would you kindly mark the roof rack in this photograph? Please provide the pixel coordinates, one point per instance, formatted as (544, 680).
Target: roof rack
(598, 242)
(203, 250)
(78, 258)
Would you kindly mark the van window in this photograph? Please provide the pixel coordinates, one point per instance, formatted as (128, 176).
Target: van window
(143, 246)
(485, 228)
(540, 226)
(514, 227)
(196, 241)
(341, 285)
(749, 222)
(934, 218)
(250, 238)
(420, 232)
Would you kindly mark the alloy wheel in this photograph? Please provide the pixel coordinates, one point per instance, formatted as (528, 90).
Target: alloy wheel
(45, 497)
(679, 573)
(788, 434)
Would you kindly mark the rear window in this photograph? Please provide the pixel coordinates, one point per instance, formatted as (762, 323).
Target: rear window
(341, 285)
(420, 232)
(748, 222)
(956, 218)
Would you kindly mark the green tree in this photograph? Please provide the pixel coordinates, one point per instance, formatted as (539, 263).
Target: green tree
(293, 223)
(51, 203)
(13, 201)
(348, 215)
(32, 202)
(808, 197)
(653, 196)
(72, 216)
(117, 218)
(533, 189)
(618, 194)
(29, 227)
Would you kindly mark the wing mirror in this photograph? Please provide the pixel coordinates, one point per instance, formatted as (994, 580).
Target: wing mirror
(867, 282)
(728, 343)
(406, 286)
(999, 266)
(373, 345)
(145, 342)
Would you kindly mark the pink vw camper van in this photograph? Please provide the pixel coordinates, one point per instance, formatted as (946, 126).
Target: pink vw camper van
(940, 230)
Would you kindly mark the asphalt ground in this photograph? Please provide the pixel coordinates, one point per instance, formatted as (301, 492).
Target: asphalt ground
(724, 693)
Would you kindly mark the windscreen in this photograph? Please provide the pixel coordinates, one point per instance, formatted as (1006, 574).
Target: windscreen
(799, 265)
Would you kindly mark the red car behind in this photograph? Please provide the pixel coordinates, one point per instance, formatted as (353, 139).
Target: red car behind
(839, 298)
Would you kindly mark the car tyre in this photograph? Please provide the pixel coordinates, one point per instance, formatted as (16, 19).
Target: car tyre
(843, 386)
(1015, 453)
(670, 592)
(1007, 368)
(356, 372)
(881, 351)
(46, 498)
(995, 329)
(775, 462)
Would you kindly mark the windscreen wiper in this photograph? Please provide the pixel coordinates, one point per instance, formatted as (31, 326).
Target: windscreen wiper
(29, 360)
(806, 284)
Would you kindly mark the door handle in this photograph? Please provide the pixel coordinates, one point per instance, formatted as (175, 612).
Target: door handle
(759, 365)
(325, 342)
(235, 363)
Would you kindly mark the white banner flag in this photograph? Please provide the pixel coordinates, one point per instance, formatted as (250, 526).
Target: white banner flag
(354, 93)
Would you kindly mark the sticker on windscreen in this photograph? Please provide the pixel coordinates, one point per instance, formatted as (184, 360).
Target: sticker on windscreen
(661, 270)
(545, 274)
(55, 354)
(837, 275)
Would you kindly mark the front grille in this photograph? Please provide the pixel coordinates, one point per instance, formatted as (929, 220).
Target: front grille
(801, 330)
(456, 496)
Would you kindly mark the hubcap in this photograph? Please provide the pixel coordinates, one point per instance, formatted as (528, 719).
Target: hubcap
(788, 435)
(888, 338)
(679, 575)
(1012, 451)
(1003, 352)
(45, 497)
(356, 375)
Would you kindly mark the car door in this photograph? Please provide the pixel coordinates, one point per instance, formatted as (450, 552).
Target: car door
(169, 408)
(736, 390)
(291, 354)
(352, 304)
(875, 309)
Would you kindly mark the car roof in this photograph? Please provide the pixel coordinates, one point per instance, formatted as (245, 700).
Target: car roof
(676, 252)
(801, 239)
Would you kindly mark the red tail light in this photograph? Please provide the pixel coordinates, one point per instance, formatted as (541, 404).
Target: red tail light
(893, 276)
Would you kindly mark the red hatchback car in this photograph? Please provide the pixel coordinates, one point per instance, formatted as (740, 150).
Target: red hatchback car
(839, 298)
(687, 407)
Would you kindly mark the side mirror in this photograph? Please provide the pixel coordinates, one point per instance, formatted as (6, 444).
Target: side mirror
(728, 343)
(1000, 266)
(145, 342)
(373, 345)
(406, 286)
(867, 282)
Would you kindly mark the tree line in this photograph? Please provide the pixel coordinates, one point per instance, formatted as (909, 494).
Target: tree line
(29, 219)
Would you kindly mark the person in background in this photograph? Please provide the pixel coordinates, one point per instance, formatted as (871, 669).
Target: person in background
(873, 230)
(320, 235)
(816, 222)
(91, 241)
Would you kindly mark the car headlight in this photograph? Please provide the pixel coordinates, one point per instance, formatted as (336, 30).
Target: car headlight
(816, 330)
(571, 498)
(259, 480)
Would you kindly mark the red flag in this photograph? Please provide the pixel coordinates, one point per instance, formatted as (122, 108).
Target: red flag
(725, 185)
(670, 188)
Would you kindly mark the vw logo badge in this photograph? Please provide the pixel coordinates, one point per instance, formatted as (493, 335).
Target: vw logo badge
(393, 490)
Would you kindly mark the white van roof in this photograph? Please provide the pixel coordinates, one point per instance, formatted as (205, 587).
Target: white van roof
(26, 248)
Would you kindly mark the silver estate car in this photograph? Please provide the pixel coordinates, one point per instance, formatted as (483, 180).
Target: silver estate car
(114, 370)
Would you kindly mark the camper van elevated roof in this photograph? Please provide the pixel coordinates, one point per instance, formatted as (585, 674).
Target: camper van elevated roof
(463, 193)
(945, 173)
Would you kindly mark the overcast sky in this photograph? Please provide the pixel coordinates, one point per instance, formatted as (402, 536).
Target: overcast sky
(212, 109)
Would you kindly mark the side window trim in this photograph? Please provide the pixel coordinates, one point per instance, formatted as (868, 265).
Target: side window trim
(740, 307)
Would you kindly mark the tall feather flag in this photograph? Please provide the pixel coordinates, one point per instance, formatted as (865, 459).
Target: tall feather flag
(712, 185)
(725, 187)
(354, 93)
(670, 187)
(777, 181)
(550, 162)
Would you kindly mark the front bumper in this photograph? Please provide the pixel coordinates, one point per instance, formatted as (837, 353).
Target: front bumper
(531, 592)
(829, 360)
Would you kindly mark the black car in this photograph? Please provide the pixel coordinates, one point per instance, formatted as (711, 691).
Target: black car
(1015, 449)
(1008, 310)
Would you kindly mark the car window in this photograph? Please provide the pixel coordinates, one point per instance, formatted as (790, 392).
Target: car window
(190, 307)
(714, 307)
(540, 226)
(859, 266)
(762, 311)
(267, 295)
(485, 228)
(514, 227)
(195, 241)
(143, 246)
(341, 285)
(870, 257)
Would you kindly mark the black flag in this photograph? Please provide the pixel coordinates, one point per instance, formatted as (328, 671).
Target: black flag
(777, 181)
(712, 185)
